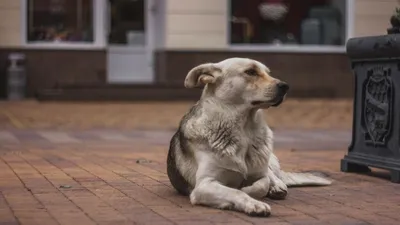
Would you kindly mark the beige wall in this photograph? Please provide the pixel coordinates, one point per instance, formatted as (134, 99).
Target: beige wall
(10, 23)
(372, 17)
(198, 24)
(202, 24)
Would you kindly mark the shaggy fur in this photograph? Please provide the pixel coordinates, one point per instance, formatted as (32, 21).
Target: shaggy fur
(222, 153)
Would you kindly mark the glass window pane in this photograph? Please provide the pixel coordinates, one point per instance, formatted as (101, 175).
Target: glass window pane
(127, 22)
(60, 21)
(305, 22)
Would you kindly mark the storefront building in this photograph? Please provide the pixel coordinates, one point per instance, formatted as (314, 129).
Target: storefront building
(145, 46)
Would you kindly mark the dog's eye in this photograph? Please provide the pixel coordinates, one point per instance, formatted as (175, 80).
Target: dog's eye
(251, 72)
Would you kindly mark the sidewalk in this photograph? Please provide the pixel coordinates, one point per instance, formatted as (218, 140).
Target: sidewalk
(91, 164)
(302, 113)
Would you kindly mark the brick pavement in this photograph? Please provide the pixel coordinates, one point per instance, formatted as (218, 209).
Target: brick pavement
(102, 172)
(111, 182)
(284, 138)
(293, 113)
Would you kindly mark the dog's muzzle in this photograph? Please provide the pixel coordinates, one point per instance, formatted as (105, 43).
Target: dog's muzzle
(282, 89)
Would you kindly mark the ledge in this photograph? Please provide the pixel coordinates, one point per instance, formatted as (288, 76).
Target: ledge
(374, 47)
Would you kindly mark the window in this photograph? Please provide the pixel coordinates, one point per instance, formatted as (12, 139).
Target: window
(288, 22)
(127, 22)
(60, 21)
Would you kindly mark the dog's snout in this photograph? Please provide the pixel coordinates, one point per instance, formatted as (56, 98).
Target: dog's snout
(283, 87)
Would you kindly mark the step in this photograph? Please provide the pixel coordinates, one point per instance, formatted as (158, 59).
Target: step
(119, 93)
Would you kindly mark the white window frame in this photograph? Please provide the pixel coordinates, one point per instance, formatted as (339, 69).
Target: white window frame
(287, 48)
(98, 28)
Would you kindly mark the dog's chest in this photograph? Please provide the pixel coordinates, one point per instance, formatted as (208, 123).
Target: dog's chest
(251, 160)
(255, 150)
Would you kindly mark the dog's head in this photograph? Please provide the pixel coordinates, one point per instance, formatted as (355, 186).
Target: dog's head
(238, 81)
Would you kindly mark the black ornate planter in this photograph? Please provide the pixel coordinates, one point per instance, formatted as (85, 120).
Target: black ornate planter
(375, 141)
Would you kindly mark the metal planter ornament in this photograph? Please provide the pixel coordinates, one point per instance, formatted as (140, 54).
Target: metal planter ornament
(375, 62)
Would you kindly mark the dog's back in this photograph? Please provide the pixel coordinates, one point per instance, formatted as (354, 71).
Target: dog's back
(174, 175)
(178, 149)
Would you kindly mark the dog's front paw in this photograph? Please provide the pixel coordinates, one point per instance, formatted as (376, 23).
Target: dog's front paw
(278, 192)
(257, 208)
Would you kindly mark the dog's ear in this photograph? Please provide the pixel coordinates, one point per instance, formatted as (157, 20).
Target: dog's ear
(203, 74)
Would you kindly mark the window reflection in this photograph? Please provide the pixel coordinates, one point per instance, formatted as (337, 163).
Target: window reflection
(305, 22)
(127, 22)
(60, 21)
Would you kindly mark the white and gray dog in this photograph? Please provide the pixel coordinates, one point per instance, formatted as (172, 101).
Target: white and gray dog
(222, 154)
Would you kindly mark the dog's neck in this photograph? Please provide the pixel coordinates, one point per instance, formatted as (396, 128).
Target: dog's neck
(240, 113)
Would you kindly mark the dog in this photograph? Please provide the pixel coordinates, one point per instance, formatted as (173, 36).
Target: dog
(222, 153)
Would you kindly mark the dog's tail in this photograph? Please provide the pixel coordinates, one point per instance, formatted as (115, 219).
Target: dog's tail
(292, 179)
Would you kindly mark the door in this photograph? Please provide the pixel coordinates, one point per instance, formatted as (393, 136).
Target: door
(129, 52)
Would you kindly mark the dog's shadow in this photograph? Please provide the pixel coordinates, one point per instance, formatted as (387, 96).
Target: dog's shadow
(374, 174)
(378, 173)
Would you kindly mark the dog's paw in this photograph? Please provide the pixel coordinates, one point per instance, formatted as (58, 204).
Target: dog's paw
(278, 192)
(257, 208)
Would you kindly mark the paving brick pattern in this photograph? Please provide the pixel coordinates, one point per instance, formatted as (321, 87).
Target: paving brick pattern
(110, 183)
(296, 139)
(293, 113)
(101, 172)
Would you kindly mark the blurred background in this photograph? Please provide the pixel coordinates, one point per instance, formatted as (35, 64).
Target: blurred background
(143, 49)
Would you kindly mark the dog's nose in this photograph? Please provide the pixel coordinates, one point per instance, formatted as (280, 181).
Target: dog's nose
(284, 87)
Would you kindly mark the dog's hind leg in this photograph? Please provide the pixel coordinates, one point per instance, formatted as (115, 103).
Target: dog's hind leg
(278, 189)
(212, 193)
(259, 189)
